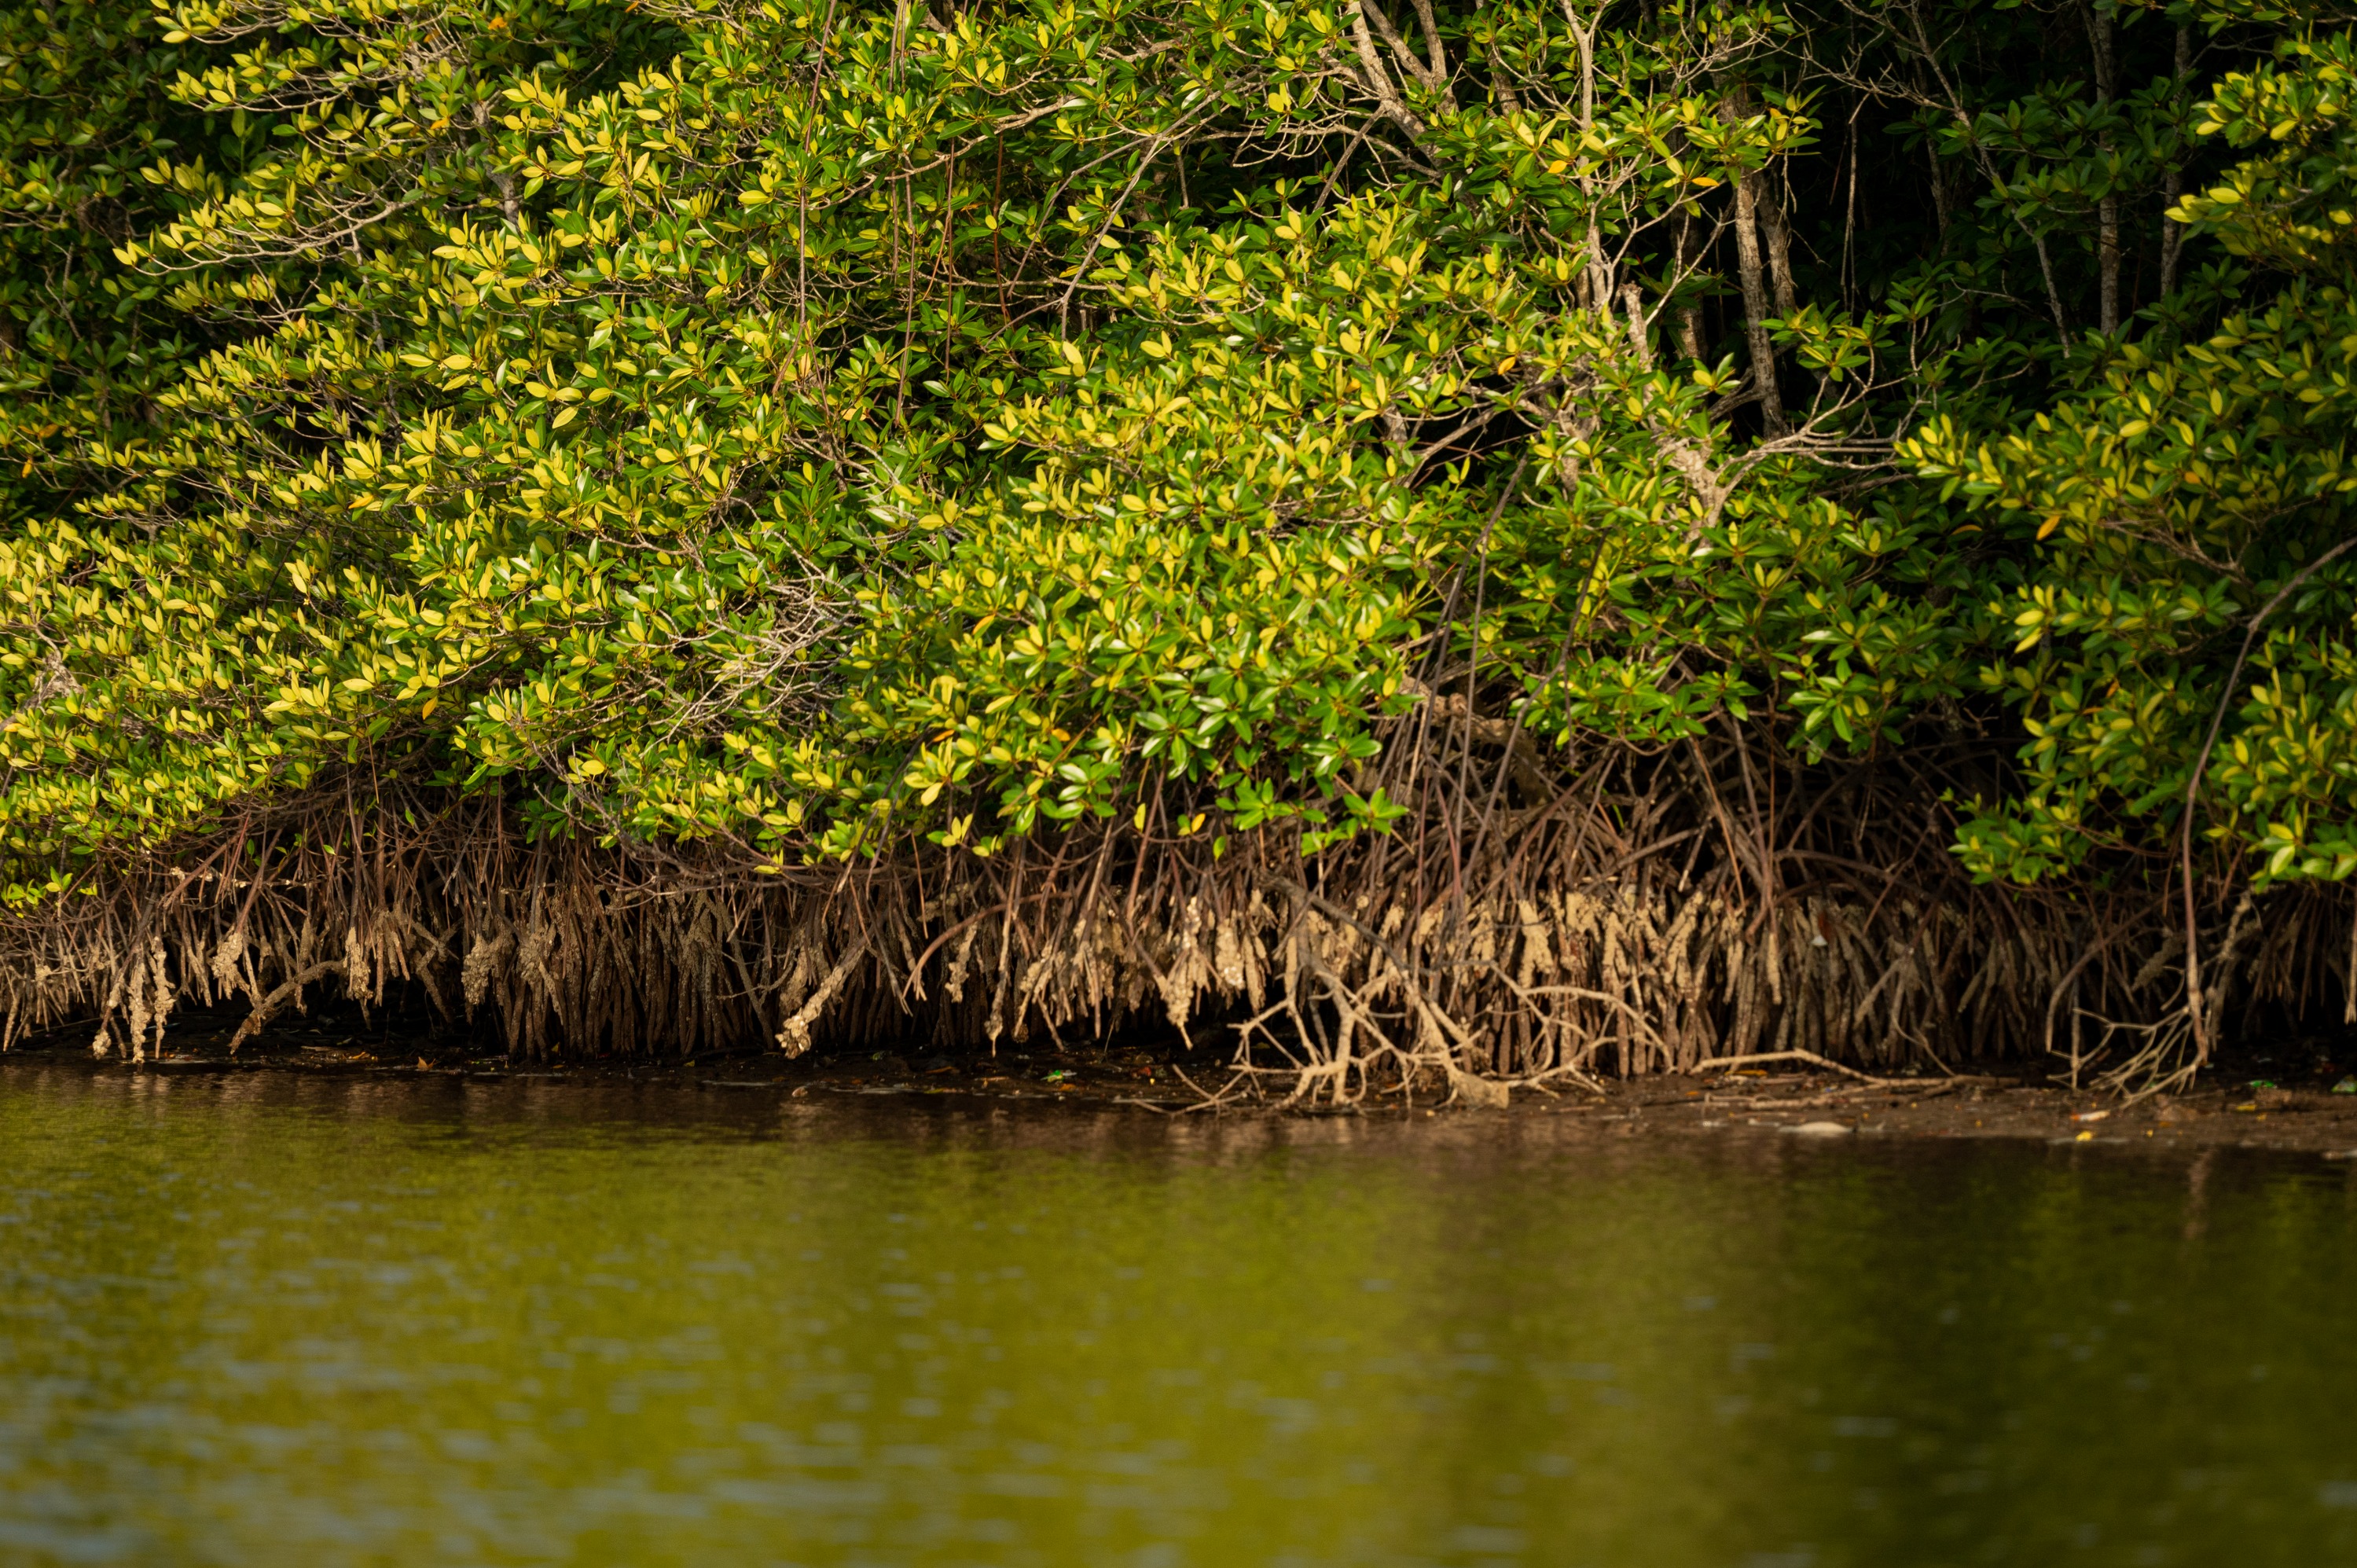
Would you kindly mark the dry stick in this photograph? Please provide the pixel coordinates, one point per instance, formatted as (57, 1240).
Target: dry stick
(1723, 1064)
(1848, 274)
(997, 203)
(918, 969)
(2193, 997)
(265, 1009)
(1334, 175)
(1210, 1102)
(1080, 273)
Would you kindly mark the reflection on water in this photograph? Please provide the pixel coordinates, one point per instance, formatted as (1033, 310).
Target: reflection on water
(275, 1319)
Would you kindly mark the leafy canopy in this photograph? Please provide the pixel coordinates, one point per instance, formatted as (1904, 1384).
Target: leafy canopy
(810, 428)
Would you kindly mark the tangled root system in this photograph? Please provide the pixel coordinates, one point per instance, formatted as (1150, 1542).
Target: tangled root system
(1524, 924)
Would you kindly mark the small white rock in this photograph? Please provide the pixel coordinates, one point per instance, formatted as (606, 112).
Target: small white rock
(1819, 1130)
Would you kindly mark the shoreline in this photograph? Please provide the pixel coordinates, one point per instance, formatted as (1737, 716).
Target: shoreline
(2237, 1104)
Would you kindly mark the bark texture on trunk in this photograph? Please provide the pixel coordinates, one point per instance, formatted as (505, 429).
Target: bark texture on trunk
(2172, 181)
(1751, 270)
(2108, 206)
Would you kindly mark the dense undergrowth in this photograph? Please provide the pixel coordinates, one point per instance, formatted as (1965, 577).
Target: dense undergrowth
(1503, 539)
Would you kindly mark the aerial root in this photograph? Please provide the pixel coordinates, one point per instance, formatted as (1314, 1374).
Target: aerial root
(1624, 924)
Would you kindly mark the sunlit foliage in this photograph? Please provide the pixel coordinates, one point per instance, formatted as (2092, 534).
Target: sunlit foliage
(816, 428)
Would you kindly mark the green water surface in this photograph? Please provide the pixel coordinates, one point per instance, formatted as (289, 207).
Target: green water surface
(269, 1318)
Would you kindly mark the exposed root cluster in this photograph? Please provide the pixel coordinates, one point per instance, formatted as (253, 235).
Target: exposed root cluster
(1618, 920)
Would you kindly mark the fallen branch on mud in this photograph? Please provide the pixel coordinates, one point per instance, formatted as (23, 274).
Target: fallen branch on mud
(1762, 1058)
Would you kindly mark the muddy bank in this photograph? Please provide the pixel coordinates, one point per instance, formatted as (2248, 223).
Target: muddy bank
(2292, 1102)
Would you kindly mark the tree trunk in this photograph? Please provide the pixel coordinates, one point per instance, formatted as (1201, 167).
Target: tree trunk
(1755, 303)
(2107, 245)
(2108, 206)
(1752, 274)
(1779, 247)
(1689, 263)
(2173, 182)
(1939, 190)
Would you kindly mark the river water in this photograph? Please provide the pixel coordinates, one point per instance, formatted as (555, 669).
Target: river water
(272, 1318)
